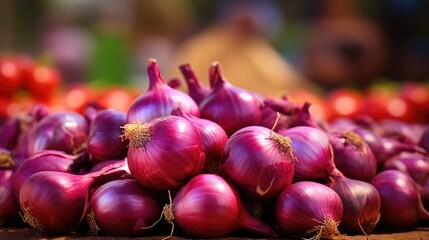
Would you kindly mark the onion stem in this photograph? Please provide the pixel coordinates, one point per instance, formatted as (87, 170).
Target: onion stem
(284, 142)
(353, 138)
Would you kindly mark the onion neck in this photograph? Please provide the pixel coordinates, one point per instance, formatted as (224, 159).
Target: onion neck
(217, 80)
(353, 138)
(194, 84)
(156, 81)
(138, 133)
(6, 160)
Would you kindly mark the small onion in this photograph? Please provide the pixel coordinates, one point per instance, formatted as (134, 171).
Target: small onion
(416, 165)
(55, 202)
(424, 140)
(209, 207)
(231, 107)
(312, 151)
(401, 206)
(46, 160)
(259, 162)
(165, 152)
(361, 204)
(353, 156)
(104, 142)
(196, 89)
(160, 99)
(63, 131)
(122, 208)
(309, 207)
(213, 138)
(9, 206)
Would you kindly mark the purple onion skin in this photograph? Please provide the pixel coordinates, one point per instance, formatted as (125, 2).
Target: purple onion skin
(213, 138)
(170, 156)
(104, 142)
(9, 133)
(257, 163)
(401, 206)
(122, 208)
(312, 151)
(9, 206)
(208, 206)
(361, 205)
(64, 131)
(46, 160)
(352, 156)
(196, 89)
(391, 147)
(303, 206)
(160, 99)
(424, 140)
(231, 107)
(416, 165)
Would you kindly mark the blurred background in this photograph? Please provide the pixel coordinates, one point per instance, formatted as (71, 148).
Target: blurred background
(272, 47)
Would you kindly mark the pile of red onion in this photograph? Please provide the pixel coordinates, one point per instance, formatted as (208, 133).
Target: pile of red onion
(194, 164)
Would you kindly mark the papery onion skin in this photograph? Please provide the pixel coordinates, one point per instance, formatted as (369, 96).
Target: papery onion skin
(352, 155)
(231, 107)
(46, 160)
(424, 140)
(361, 204)
(401, 206)
(210, 207)
(122, 208)
(258, 161)
(304, 206)
(312, 151)
(213, 138)
(160, 99)
(63, 131)
(165, 152)
(53, 202)
(104, 142)
(9, 206)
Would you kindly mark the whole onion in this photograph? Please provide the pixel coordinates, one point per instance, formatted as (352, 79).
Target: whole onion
(309, 208)
(46, 160)
(391, 147)
(9, 206)
(231, 107)
(401, 206)
(160, 99)
(63, 131)
(122, 208)
(213, 138)
(416, 165)
(259, 161)
(55, 202)
(361, 204)
(196, 90)
(210, 207)
(352, 155)
(104, 142)
(312, 152)
(165, 152)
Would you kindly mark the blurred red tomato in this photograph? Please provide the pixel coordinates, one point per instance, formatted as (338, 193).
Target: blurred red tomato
(10, 77)
(117, 97)
(416, 95)
(344, 102)
(44, 82)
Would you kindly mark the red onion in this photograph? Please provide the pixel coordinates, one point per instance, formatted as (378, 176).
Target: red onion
(160, 99)
(64, 131)
(122, 208)
(46, 160)
(9, 206)
(104, 142)
(373, 140)
(259, 162)
(164, 152)
(309, 208)
(196, 89)
(9, 133)
(401, 206)
(312, 151)
(270, 110)
(416, 165)
(424, 140)
(174, 83)
(391, 147)
(361, 204)
(55, 202)
(231, 107)
(402, 131)
(213, 138)
(209, 207)
(302, 117)
(353, 156)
